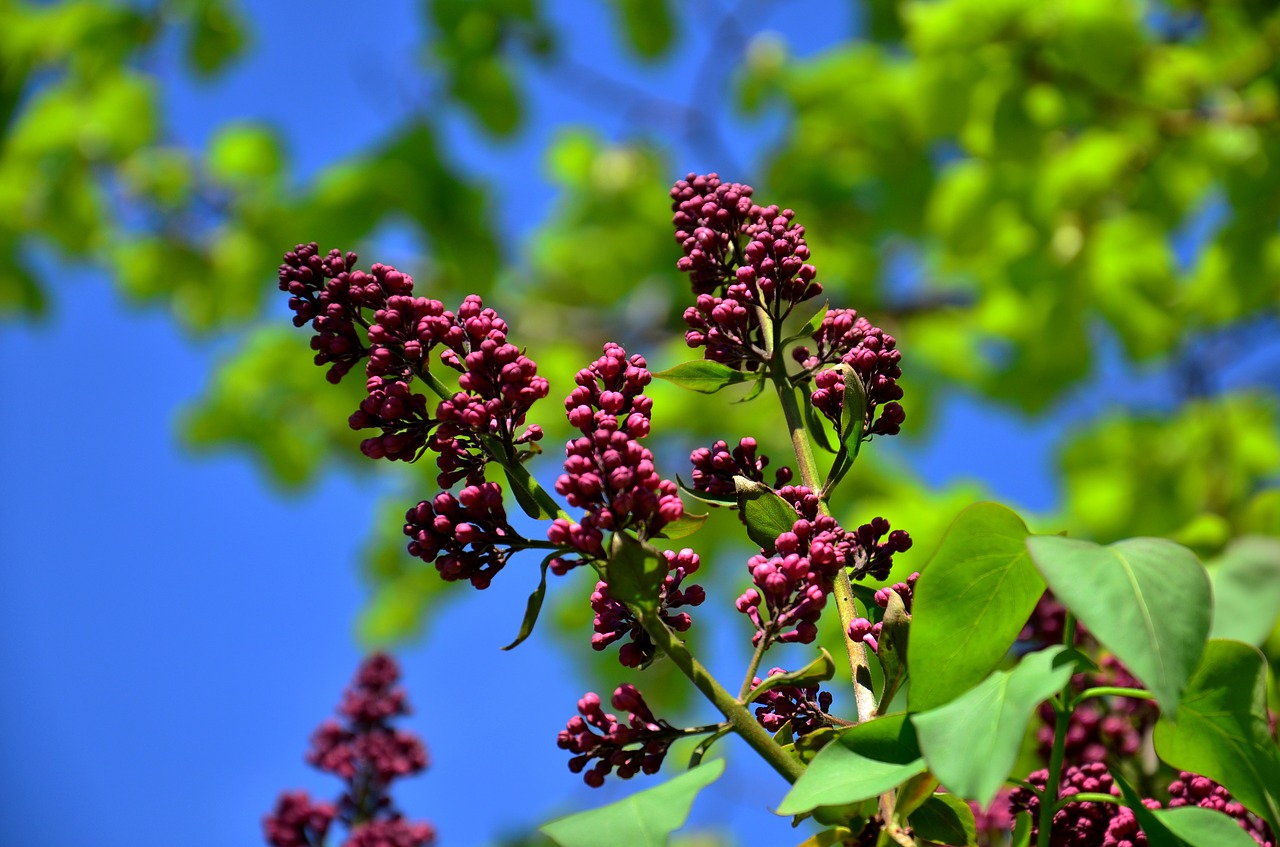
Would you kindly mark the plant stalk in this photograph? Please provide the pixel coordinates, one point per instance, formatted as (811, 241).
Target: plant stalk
(743, 722)
(859, 666)
(1062, 718)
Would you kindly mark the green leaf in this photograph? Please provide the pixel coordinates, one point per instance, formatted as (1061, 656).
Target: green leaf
(1222, 729)
(945, 819)
(1199, 827)
(730, 500)
(703, 376)
(647, 25)
(644, 819)
(534, 606)
(1145, 599)
(1246, 590)
(971, 744)
(861, 763)
(684, 527)
(766, 514)
(893, 646)
(811, 326)
(695, 758)
(853, 409)
(523, 485)
(819, 670)
(636, 572)
(971, 601)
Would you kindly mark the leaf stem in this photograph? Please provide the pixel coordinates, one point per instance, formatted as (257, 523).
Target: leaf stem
(1114, 691)
(1062, 718)
(1086, 797)
(748, 681)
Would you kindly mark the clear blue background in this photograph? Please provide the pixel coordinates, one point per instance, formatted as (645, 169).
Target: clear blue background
(173, 628)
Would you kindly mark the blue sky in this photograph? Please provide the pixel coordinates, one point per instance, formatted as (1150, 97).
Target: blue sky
(173, 628)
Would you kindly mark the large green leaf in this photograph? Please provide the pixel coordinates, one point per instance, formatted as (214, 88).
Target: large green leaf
(1222, 731)
(972, 599)
(644, 819)
(1246, 590)
(863, 762)
(1145, 599)
(971, 743)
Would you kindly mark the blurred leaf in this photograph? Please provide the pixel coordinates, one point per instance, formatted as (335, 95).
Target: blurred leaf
(244, 155)
(1246, 590)
(646, 24)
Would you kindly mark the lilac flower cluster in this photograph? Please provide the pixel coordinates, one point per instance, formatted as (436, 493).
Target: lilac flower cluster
(864, 630)
(607, 472)
(614, 621)
(593, 734)
(1088, 822)
(368, 754)
(468, 536)
(741, 258)
(805, 707)
(872, 354)
(792, 580)
(715, 467)
(499, 383)
(1193, 790)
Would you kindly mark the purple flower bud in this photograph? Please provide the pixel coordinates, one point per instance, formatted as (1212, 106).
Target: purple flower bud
(627, 749)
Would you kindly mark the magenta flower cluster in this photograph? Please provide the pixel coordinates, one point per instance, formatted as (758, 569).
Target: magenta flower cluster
(1086, 822)
(868, 632)
(806, 707)
(843, 337)
(1112, 825)
(715, 467)
(499, 383)
(792, 580)
(615, 622)
(742, 259)
(468, 536)
(608, 473)
(368, 754)
(627, 749)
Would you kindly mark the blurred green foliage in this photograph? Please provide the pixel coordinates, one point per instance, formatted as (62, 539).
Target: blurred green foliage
(1058, 178)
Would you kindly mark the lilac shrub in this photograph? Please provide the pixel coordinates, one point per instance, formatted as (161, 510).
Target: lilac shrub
(455, 386)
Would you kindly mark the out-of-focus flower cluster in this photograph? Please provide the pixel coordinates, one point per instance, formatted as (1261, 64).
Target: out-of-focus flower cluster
(806, 707)
(614, 621)
(368, 754)
(1112, 825)
(627, 749)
